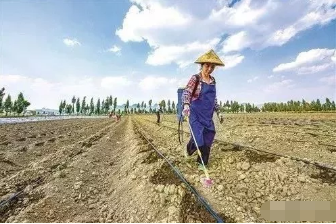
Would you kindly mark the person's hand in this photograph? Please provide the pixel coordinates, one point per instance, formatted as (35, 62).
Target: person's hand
(186, 110)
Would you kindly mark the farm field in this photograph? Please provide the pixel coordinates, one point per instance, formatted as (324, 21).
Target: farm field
(99, 170)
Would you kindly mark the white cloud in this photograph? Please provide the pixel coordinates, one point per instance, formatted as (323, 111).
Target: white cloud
(170, 27)
(312, 61)
(279, 86)
(183, 55)
(115, 49)
(150, 83)
(270, 76)
(146, 18)
(115, 82)
(71, 42)
(231, 61)
(236, 42)
(329, 80)
(253, 79)
(45, 93)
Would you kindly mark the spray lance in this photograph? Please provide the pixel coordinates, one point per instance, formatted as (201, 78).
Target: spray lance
(207, 182)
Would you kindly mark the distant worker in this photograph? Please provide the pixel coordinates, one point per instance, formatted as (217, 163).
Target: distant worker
(118, 117)
(158, 111)
(199, 102)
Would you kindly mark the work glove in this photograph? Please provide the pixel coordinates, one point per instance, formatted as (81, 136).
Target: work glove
(186, 110)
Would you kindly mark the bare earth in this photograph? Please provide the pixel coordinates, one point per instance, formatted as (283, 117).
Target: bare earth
(97, 170)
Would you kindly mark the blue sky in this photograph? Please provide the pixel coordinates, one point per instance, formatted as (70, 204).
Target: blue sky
(274, 50)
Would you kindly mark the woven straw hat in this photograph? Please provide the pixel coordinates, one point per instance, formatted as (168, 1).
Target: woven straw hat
(210, 57)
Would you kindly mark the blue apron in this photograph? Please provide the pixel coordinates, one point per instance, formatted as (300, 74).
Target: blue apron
(201, 113)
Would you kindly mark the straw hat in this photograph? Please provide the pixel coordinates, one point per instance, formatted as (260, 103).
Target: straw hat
(210, 57)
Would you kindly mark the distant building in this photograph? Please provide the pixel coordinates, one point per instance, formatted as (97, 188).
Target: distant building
(46, 111)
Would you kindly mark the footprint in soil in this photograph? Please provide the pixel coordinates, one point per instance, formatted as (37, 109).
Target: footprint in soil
(151, 158)
(165, 176)
(259, 158)
(193, 211)
(22, 139)
(39, 143)
(52, 140)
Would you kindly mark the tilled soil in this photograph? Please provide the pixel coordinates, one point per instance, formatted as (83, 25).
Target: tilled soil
(306, 136)
(97, 170)
(244, 179)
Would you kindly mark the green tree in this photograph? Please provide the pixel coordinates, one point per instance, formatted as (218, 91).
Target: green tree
(78, 108)
(127, 105)
(2, 94)
(15, 106)
(173, 106)
(91, 106)
(327, 104)
(98, 107)
(107, 105)
(83, 105)
(60, 108)
(318, 105)
(102, 106)
(22, 104)
(110, 101)
(115, 104)
(69, 109)
(73, 101)
(169, 109)
(235, 107)
(241, 108)
(150, 105)
(8, 104)
(138, 107)
(333, 106)
(163, 105)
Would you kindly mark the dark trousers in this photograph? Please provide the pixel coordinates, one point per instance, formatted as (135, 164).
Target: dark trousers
(158, 116)
(205, 151)
(208, 137)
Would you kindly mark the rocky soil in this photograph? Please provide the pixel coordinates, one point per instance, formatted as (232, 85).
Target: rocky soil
(97, 170)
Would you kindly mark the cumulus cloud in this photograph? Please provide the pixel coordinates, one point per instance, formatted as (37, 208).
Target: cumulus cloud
(329, 80)
(45, 93)
(150, 83)
(253, 79)
(233, 60)
(180, 30)
(115, 49)
(71, 42)
(183, 55)
(115, 82)
(277, 86)
(308, 62)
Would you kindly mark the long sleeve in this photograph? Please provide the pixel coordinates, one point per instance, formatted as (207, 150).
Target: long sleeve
(186, 96)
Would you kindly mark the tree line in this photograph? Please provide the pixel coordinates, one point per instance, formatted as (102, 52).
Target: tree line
(110, 104)
(16, 107)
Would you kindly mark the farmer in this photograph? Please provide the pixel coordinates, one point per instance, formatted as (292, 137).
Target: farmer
(158, 110)
(201, 106)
